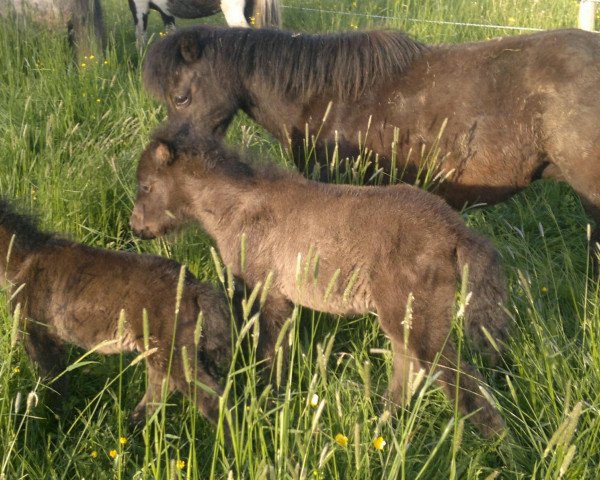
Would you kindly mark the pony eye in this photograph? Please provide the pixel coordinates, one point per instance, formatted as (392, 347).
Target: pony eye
(145, 188)
(181, 100)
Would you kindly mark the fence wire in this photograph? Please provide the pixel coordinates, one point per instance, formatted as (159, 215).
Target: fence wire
(417, 20)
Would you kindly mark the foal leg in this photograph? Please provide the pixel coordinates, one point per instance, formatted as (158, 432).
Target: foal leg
(428, 338)
(151, 399)
(470, 400)
(406, 365)
(276, 310)
(48, 352)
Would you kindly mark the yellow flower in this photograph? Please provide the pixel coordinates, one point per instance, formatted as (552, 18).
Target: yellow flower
(94, 454)
(112, 454)
(341, 439)
(379, 443)
(162, 34)
(105, 62)
(83, 65)
(180, 464)
(512, 20)
(314, 400)
(252, 21)
(16, 370)
(122, 440)
(544, 290)
(92, 57)
(98, 100)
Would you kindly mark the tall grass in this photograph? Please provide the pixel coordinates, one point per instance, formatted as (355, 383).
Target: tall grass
(69, 142)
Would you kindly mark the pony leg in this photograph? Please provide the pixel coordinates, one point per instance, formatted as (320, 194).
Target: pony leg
(470, 400)
(406, 365)
(49, 354)
(151, 399)
(586, 183)
(429, 342)
(276, 310)
(234, 12)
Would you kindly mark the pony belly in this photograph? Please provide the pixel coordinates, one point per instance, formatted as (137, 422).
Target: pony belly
(346, 299)
(189, 9)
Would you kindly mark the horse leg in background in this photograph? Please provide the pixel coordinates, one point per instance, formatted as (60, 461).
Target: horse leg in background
(85, 28)
(139, 10)
(50, 355)
(168, 20)
(234, 12)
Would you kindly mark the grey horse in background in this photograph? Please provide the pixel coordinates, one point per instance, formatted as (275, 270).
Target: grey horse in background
(82, 19)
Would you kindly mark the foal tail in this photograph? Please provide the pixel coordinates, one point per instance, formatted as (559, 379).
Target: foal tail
(267, 13)
(485, 316)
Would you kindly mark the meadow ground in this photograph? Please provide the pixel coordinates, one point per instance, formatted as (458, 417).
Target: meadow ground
(69, 143)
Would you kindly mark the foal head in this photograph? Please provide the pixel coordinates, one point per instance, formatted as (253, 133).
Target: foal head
(158, 204)
(175, 174)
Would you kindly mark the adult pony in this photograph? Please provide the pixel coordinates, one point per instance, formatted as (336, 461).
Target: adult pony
(485, 119)
(238, 13)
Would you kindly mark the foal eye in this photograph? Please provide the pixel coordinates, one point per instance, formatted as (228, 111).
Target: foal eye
(181, 101)
(145, 188)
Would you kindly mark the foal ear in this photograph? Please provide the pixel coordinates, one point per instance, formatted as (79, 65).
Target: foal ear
(163, 154)
(190, 49)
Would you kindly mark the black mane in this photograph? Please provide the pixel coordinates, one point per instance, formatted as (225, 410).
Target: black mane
(344, 65)
(24, 227)
(182, 139)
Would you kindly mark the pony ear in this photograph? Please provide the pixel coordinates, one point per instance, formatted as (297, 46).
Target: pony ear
(190, 49)
(163, 154)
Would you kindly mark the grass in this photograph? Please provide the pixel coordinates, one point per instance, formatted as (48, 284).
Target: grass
(69, 142)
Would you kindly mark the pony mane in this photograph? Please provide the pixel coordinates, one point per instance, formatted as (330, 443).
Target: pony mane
(182, 139)
(24, 227)
(344, 65)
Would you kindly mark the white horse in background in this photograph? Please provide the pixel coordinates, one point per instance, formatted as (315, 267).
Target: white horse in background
(238, 13)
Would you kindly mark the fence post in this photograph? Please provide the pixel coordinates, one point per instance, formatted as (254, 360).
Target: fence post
(587, 15)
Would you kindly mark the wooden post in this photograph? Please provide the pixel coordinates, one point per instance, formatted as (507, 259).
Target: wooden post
(587, 15)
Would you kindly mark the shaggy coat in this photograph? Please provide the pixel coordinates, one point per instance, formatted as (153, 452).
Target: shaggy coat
(73, 294)
(334, 248)
(480, 121)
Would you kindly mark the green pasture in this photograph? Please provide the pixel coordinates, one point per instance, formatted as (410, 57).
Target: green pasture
(70, 138)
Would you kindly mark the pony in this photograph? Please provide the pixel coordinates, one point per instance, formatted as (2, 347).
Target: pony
(238, 13)
(69, 293)
(82, 19)
(478, 122)
(365, 249)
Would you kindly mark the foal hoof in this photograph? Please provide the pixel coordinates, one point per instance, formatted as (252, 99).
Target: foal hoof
(137, 419)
